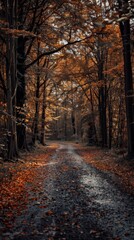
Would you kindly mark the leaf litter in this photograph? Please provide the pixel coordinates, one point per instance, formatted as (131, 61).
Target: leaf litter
(109, 161)
(18, 181)
(62, 208)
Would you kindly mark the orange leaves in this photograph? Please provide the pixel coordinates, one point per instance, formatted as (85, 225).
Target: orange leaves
(14, 195)
(18, 180)
(117, 68)
(100, 83)
(17, 33)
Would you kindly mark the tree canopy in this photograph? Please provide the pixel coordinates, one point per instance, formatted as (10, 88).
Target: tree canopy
(66, 72)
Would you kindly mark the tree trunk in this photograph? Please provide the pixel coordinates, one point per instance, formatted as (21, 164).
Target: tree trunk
(102, 106)
(73, 122)
(110, 119)
(93, 118)
(125, 32)
(37, 96)
(36, 118)
(43, 114)
(21, 94)
(65, 121)
(11, 84)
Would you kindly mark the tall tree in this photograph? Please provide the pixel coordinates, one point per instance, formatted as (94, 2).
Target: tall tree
(124, 9)
(11, 8)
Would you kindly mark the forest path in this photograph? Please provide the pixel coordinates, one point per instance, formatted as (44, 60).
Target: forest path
(77, 201)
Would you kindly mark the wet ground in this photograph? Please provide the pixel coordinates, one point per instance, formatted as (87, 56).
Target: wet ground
(76, 202)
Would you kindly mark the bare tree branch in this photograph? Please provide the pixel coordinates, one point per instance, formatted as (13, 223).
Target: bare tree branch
(55, 51)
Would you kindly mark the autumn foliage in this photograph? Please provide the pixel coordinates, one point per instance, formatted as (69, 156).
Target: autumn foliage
(66, 73)
(21, 183)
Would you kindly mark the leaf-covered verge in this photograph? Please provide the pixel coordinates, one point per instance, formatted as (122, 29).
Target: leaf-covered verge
(110, 162)
(17, 180)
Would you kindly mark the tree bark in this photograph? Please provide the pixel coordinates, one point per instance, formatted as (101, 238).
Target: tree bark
(37, 95)
(11, 83)
(129, 94)
(93, 118)
(21, 94)
(110, 119)
(102, 106)
(43, 114)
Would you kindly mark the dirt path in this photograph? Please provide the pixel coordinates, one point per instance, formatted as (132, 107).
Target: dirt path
(75, 201)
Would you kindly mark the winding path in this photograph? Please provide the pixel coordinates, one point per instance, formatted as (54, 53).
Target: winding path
(78, 203)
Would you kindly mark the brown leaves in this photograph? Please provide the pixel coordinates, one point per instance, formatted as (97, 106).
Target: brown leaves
(19, 180)
(107, 161)
(14, 195)
(49, 213)
(16, 32)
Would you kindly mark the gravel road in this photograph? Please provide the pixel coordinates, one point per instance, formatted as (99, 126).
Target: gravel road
(78, 203)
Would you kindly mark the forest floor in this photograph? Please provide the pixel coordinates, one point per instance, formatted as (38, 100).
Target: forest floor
(67, 191)
(111, 162)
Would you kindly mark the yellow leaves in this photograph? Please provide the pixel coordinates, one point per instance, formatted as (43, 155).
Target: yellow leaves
(26, 120)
